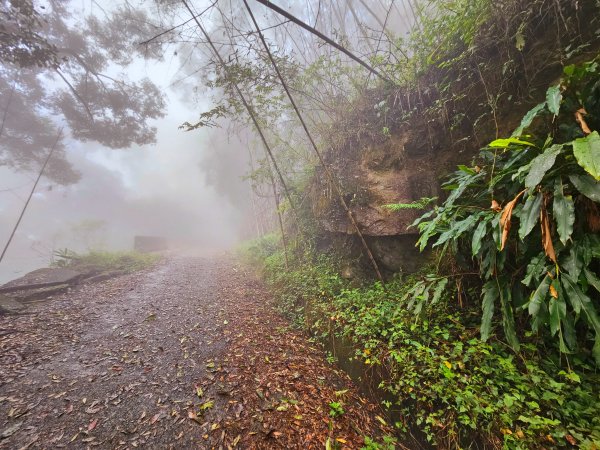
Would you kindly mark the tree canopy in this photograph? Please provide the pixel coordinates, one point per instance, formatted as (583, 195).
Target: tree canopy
(58, 70)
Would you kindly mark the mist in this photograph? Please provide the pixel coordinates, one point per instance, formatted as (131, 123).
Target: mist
(167, 189)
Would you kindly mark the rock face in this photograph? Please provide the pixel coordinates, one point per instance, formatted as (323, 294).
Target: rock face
(42, 278)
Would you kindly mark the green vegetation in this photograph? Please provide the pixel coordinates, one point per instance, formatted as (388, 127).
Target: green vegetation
(104, 261)
(449, 387)
(546, 179)
(454, 380)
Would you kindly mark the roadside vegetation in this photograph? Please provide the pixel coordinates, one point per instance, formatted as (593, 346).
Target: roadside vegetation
(104, 261)
(495, 342)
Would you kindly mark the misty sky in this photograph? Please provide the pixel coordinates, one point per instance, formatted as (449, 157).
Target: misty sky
(157, 190)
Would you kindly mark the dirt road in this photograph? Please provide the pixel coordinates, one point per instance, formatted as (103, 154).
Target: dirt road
(188, 354)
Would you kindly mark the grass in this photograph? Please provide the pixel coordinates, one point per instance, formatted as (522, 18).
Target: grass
(105, 261)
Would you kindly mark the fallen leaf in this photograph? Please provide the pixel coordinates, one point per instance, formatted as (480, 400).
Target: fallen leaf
(11, 430)
(92, 425)
(192, 415)
(154, 419)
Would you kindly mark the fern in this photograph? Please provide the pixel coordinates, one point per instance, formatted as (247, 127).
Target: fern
(417, 204)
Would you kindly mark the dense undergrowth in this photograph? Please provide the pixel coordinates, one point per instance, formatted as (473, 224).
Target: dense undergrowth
(451, 377)
(104, 261)
(448, 387)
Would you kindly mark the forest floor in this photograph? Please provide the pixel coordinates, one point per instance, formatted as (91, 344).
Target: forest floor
(187, 354)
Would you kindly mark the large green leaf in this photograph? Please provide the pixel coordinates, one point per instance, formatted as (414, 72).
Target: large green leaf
(574, 261)
(490, 294)
(535, 268)
(581, 302)
(557, 309)
(478, 237)
(505, 143)
(528, 118)
(538, 297)
(530, 214)
(542, 164)
(553, 99)
(587, 186)
(587, 152)
(564, 212)
(457, 229)
(592, 279)
(508, 320)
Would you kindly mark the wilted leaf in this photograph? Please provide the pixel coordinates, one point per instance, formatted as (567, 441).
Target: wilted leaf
(581, 120)
(92, 425)
(505, 218)
(587, 153)
(192, 415)
(546, 235)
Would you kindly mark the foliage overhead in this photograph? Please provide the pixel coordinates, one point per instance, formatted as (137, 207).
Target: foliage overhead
(56, 71)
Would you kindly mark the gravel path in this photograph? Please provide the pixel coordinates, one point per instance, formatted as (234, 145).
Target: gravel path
(166, 358)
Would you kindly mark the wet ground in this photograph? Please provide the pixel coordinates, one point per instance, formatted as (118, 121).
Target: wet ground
(188, 354)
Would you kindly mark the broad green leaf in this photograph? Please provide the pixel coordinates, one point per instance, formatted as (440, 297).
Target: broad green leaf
(530, 214)
(587, 186)
(508, 319)
(466, 169)
(490, 294)
(587, 153)
(592, 279)
(536, 267)
(581, 302)
(457, 229)
(553, 99)
(557, 309)
(439, 290)
(478, 237)
(528, 118)
(504, 143)
(564, 212)
(542, 164)
(538, 297)
(574, 261)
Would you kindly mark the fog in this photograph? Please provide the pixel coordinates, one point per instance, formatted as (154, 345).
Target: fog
(187, 186)
(160, 189)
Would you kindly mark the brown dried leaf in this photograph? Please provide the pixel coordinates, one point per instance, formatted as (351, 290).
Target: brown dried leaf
(506, 216)
(495, 206)
(582, 123)
(92, 425)
(546, 236)
(553, 291)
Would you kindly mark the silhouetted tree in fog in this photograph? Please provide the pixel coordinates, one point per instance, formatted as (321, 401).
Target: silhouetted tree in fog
(57, 70)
